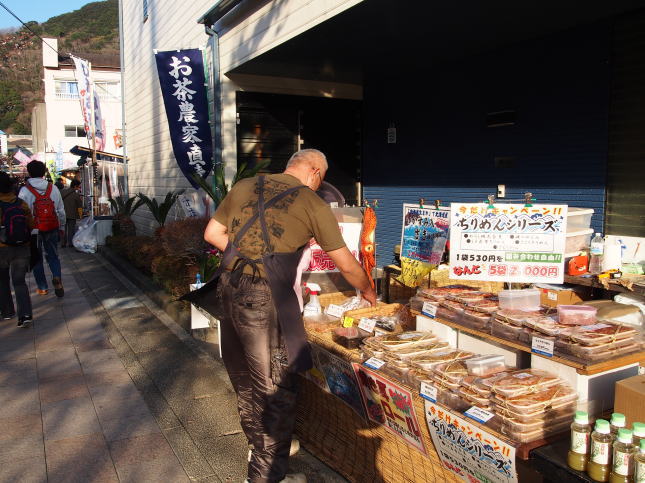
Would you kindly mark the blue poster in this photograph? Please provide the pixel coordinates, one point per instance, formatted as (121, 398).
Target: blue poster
(425, 233)
(183, 86)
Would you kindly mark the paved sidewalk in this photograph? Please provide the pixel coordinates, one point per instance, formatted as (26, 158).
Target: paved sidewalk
(104, 386)
(69, 410)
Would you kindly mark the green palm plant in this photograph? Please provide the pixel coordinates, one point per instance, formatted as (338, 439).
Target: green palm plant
(219, 189)
(122, 210)
(158, 210)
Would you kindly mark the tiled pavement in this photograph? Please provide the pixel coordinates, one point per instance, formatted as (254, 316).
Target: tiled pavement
(69, 410)
(104, 386)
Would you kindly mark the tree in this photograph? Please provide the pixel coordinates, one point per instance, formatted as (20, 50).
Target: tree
(10, 105)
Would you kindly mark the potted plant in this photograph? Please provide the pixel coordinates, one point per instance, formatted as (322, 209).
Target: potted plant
(160, 210)
(123, 209)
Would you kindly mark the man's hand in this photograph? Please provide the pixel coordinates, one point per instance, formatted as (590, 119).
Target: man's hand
(353, 273)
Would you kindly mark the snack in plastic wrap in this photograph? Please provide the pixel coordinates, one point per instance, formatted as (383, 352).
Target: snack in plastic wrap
(320, 322)
(554, 412)
(427, 362)
(505, 330)
(524, 381)
(549, 326)
(597, 352)
(488, 306)
(476, 320)
(349, 337)
(351, 303)
(515, 317)
(407, 354)
(527, 432)
(406, 340)
(452, 305)
(602, 333)
(453, 371)
(474, 398)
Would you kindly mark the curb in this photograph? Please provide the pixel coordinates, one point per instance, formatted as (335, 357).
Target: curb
(158, 295)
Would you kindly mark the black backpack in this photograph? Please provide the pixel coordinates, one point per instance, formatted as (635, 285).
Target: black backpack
(15, 229)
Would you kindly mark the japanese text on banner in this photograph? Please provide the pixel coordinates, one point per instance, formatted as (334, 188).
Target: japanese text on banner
(390, 405)
(508, 243)
(467, 450)
(182, 80)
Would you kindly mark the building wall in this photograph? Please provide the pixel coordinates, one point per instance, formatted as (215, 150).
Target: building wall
(559, 86)
(61, 111)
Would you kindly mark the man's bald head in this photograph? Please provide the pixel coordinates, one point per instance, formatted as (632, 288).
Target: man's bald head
(309, 166)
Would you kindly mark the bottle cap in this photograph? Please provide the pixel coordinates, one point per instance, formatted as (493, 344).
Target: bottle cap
(618, 419)
(625, 435)
(602, 426)
(639, 430)
(581, 417)
(642, 445)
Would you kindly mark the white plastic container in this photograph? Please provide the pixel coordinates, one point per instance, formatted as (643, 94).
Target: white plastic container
(577, 314)
(524, 299)
(578, 219)
(577, 240)
(612, 256)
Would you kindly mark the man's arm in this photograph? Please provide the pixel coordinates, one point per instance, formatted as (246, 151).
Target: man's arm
(216, 234)
(353, 273)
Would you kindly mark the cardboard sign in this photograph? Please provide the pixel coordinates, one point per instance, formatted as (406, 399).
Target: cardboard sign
(508, 242)
(321, 262)
(389, 404)
(469, 451)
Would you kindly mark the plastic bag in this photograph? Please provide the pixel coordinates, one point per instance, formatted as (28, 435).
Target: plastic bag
(85, 239)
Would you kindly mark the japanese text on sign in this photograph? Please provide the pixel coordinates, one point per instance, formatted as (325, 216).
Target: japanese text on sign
(508, 243)
(389, 404)
(321, 262)
(424, 233)
(469, 451)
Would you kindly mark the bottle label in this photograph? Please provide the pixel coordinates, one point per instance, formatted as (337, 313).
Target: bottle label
(622, 463)
(579, 442)
(639, 474)
(600, 453)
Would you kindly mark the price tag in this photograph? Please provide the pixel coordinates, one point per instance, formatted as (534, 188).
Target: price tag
(374, 363)
(542, 346)
(428, 391)
(429, 309)
(334, 310)
(479, 414)
(348, 322)
(367, 324)
(551, 295)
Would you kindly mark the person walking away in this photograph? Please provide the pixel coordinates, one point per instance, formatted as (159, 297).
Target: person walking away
(262, 226)
(48, 211)
(17, 223)
(73, 210)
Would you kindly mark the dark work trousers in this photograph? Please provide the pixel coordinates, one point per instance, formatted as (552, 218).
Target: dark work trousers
(256, 362)
(14, 264)
(70, 229)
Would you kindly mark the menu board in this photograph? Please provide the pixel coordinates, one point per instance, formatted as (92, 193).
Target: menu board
(508, 242)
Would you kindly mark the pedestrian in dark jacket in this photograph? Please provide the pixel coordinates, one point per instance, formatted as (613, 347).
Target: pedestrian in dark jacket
(14, 259)
(73, 210)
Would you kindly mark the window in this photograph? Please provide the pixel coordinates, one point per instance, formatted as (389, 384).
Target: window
(74, 132)
(66, 89)
(145, 10)
(108, 91)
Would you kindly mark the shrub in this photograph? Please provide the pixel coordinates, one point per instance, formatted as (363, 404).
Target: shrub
(185, 238)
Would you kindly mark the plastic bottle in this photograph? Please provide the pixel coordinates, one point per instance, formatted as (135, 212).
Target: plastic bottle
(617, 422)
(638, 431)
(313, 306)
(622, 468)
(595, 254)
(198, 281)
(639, 464)
(599, 464)
(579, 449)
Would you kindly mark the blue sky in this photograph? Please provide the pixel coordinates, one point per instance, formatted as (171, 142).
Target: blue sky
(39, 10)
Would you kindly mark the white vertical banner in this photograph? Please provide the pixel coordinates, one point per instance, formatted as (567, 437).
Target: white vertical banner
(83, 82)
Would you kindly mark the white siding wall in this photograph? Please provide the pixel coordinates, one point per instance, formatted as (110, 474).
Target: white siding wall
(173, 25)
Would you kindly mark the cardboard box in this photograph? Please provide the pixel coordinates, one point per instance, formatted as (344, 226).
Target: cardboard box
(630, 399)
(552, 296)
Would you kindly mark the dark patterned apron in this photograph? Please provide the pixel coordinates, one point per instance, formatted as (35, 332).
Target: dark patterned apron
(280, 270)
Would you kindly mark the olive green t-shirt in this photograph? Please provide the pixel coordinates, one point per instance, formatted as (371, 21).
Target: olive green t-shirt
(291, 222)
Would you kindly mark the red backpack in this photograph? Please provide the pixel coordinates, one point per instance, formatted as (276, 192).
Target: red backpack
(45, 217)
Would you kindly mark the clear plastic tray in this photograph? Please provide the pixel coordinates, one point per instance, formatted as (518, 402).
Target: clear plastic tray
(549, 326)
(349, 337)
(407, 354)
(442, 381)
(528, 436)
(505, 330)
(501, 423)
(431, 360)
(556, 411)
(556, 395)
(601, 333)
(475, 319)
(523, 381)
(485, 365)
(473, 397)
(515, 317)
(447, 314)
(577, 314)
(466, 297)
(597, 353)
(405, 340)
(486, 306)
(452, 305)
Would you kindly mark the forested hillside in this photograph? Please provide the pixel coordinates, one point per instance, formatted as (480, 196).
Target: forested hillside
(93, 28)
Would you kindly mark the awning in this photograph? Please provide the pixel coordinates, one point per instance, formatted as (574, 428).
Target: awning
(217, 11)
(100, 155)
